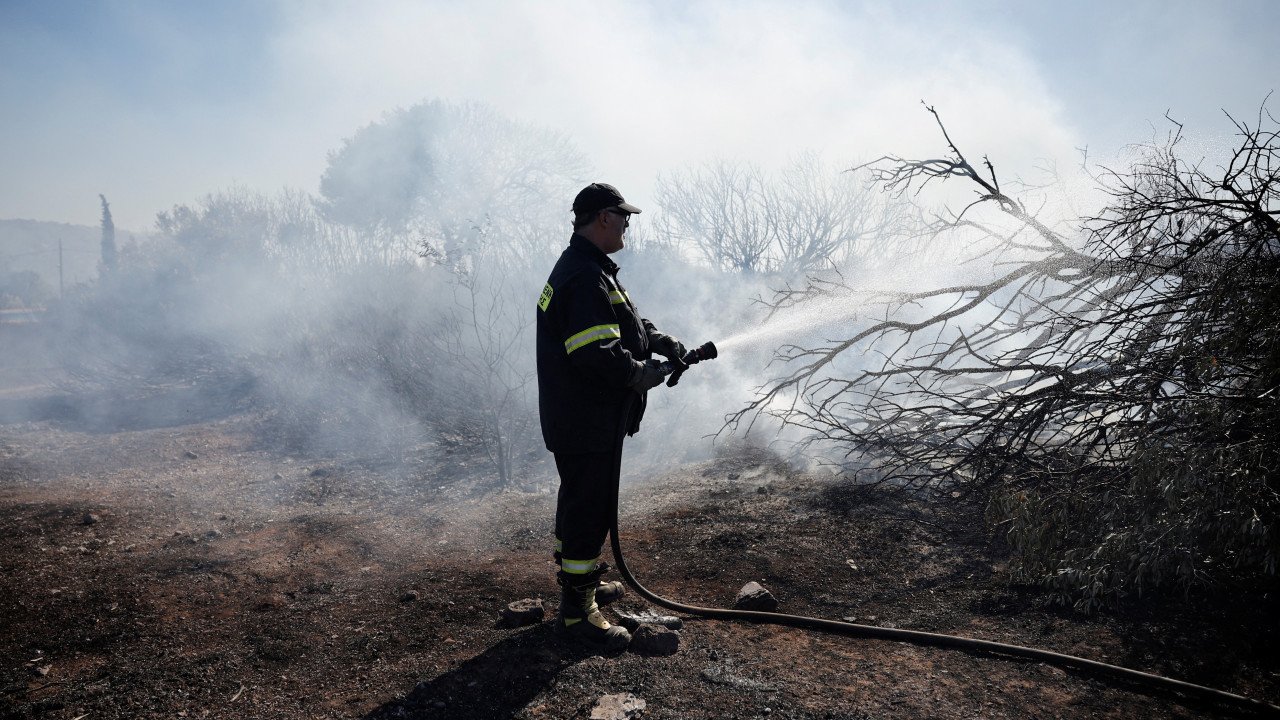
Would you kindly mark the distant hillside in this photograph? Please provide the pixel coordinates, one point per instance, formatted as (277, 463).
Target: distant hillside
(33, 245)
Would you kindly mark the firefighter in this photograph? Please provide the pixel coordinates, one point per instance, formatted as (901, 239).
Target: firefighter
(594, 365)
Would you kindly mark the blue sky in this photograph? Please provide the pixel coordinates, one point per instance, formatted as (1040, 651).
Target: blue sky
(155, 103)
(136, 48)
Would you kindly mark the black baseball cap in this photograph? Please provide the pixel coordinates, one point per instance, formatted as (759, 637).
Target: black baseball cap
(599, 196)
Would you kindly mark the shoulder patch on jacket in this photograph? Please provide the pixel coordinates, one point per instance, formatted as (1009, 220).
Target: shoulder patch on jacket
(545, 300)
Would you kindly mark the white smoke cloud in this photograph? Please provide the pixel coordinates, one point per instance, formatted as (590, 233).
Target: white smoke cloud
(155, 104)
(641, 88)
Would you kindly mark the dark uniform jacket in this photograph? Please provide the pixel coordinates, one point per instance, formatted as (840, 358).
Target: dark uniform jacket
(590, 337)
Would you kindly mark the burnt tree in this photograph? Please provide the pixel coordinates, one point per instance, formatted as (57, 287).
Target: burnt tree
(1109, 390)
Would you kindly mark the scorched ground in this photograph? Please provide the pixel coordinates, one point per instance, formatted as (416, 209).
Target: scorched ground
(189, 571)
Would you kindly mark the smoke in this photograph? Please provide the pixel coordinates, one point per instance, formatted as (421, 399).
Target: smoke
(258, 94)
(354, 333)
(396, 306)
(359, 337)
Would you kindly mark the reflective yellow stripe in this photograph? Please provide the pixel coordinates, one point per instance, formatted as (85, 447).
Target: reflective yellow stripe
(578, 567)
(618, 297)
(591, 334)
(545, 299)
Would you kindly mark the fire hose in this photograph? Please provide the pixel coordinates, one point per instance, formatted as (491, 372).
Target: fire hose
(674, 369)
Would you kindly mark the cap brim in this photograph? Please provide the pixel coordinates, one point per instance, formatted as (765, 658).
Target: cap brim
(628, 207)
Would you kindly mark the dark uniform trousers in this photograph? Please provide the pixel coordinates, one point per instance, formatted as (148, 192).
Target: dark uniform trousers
(583, 509)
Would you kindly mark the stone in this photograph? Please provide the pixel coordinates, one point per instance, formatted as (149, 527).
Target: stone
(528, 611)
(632, 620)
(623, 706)
(410, 596)
(754, 596)
(654, 640)
(90, 519)
(190, 455)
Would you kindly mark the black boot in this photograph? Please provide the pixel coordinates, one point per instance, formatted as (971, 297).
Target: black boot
(580, 618)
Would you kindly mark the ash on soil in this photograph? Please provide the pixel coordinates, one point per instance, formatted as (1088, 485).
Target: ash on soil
(241, 583)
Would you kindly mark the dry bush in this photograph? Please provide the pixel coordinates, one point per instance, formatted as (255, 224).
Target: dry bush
(1110, 390)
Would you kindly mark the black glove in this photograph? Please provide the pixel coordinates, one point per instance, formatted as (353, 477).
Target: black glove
(646, 376)
(666, 346)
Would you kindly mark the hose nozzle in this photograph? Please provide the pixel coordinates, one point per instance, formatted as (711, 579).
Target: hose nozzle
(676, 368)
(706, 352)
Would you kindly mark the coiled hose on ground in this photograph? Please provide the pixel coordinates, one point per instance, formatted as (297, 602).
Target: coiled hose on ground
(916, 637)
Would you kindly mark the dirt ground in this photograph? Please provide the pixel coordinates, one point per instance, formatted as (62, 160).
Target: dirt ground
(185, 571)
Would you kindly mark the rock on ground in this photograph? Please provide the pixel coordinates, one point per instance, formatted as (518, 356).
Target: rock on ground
(522, 612)
(654, 640)
(618, 707)
(754, 596)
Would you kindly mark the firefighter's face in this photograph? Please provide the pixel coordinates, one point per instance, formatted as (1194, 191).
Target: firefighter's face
(616, 222)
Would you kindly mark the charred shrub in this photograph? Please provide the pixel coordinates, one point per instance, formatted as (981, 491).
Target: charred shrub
(1110, 388)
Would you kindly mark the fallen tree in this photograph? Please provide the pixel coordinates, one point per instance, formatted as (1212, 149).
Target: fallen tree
(1110, 390)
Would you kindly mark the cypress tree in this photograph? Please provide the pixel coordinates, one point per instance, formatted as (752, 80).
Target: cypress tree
(108, 237)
